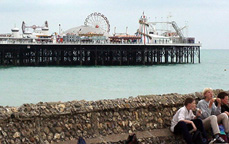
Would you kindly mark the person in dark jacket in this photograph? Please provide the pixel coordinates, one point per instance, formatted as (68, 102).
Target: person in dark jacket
(224, 102)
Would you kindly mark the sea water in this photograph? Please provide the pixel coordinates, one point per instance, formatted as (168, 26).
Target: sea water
(19, 85)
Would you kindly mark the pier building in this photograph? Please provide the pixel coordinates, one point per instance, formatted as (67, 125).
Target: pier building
(92, 44)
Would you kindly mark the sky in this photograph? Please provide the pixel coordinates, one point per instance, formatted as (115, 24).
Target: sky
(208, 20)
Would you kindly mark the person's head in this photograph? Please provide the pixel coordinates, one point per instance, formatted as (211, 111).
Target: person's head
(224, 97)
(190, 103)
(208, 93)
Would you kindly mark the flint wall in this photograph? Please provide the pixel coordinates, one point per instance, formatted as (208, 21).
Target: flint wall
(56, 122)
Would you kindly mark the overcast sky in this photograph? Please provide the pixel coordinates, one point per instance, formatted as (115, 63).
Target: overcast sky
(208, 20)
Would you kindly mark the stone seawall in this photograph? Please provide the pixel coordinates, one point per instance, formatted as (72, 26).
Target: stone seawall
(58, 122)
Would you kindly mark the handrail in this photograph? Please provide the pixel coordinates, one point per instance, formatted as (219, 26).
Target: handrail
(91, 43)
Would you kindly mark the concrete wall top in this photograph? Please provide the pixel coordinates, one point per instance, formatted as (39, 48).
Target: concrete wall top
(47, 109)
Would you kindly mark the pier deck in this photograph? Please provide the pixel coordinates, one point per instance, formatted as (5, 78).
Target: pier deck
(98, 54)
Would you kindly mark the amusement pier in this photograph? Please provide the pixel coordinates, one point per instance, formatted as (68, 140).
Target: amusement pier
(92, 44)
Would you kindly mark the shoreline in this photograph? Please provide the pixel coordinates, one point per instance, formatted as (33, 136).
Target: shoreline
(58, 122)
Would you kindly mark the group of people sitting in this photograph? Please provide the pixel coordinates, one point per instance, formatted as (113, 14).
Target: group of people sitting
(210, 112)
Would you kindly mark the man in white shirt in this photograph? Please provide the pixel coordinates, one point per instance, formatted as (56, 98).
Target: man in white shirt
(184, 120)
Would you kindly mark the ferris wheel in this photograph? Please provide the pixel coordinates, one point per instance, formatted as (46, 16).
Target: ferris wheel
(97, 20)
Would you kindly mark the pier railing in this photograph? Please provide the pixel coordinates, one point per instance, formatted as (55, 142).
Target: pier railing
(90, 43)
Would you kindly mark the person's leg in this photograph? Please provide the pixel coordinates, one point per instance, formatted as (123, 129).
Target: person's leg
(211, 122)
(223, 118)
(199, 126)
(182, 127)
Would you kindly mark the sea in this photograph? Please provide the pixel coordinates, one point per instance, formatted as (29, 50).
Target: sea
(20, 85)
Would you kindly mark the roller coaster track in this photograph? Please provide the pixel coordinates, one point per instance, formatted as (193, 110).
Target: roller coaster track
(174, 24)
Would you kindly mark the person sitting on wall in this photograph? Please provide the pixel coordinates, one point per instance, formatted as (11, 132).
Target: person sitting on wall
(211, 114)
(184, 120)
(224, 102)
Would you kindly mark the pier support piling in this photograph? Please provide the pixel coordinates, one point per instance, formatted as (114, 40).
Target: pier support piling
(38, 55)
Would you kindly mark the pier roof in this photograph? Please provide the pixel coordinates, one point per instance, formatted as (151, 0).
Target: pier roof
(81, 30)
